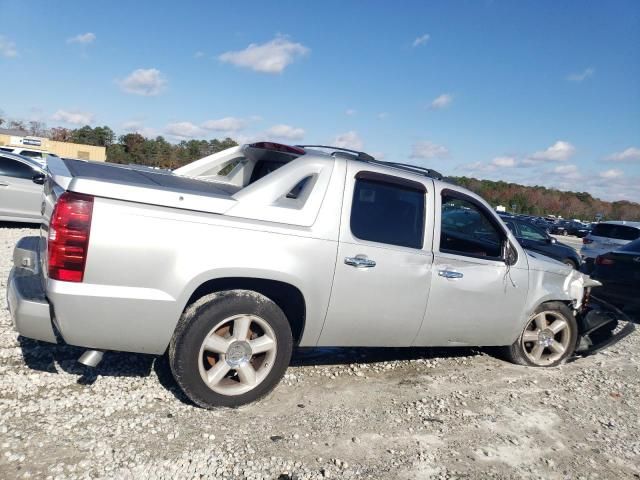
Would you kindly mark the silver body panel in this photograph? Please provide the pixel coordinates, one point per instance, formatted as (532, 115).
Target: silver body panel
(149, 251)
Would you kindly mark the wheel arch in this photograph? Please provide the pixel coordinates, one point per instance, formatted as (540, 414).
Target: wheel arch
(286, 295)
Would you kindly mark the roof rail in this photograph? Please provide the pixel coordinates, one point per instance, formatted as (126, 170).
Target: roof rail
(361, 155)
(427, 172)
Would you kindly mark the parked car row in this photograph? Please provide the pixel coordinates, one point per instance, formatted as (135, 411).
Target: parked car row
(535, 238)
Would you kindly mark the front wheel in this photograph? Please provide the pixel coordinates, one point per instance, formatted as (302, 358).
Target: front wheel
(548, 338)
(230, 348)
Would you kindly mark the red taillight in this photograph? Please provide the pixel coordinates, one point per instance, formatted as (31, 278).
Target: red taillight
(604, 261)
(69, 236)
(587, 241)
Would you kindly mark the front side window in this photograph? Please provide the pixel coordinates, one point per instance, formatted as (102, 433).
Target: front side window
(386, 212)
(466, 229)
(13, 168)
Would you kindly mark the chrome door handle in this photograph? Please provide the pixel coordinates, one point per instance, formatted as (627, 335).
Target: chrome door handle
(359, 261)
(450, 274)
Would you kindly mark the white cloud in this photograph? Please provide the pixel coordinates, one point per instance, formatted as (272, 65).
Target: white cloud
(226, 124)
(73, 117)
(631, 154)
(350, 140)
(612, 173)
(421, 40)
(504, 162)
(558, 152)
(428, 150)
(183, 130)
(7, 47)
(441, 101)
(382, 115)
(83, 38)
(135, 126)
(565, 169)
(581, 76)
(350, 112)
(285, 131)
(271, 57)
(146, 82)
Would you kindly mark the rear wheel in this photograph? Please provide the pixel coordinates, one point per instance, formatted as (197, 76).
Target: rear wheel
(548, 338)
(230, 348)
(571, 263)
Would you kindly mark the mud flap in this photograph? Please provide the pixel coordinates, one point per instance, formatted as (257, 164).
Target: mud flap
(599, 327)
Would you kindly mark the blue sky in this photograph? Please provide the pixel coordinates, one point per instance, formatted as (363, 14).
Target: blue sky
(534, 92)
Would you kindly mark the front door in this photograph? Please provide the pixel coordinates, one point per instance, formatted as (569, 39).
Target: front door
(383, 271)
(476, 297)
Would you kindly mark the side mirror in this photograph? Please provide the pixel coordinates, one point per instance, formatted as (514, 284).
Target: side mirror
(510, 254)
(552, 240)
(39, 178)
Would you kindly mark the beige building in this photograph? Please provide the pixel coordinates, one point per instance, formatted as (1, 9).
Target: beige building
(17, 139)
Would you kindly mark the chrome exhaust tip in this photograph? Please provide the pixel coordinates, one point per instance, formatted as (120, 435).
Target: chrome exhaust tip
(91, 358)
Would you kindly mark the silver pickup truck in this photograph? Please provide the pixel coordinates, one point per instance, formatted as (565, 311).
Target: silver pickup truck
(228, 262)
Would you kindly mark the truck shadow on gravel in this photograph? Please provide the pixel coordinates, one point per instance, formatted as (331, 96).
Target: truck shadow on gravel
(50, 358)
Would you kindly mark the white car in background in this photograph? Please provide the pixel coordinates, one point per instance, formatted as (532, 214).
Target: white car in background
(606, 237)
(39, 156)
(21, 180)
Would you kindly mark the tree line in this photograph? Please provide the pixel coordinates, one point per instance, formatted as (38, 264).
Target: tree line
(128, 148)
(544, 201)
(158, 152)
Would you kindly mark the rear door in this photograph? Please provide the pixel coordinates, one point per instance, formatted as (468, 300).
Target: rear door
(20, 198)
(383, 270)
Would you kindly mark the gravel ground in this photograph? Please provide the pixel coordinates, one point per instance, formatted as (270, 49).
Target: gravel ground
(339, 413)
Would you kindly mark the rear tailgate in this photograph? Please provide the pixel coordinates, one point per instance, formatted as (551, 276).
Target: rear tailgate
(121, 182)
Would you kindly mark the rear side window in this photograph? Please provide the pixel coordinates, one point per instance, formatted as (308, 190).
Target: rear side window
(264, 168)
(13, 168)
(388, 212)
(617, 232)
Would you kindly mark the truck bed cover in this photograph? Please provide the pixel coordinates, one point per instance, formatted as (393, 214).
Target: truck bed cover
(142, 186)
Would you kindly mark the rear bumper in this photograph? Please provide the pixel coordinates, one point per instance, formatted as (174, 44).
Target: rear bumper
(28, 305)
(83, 314)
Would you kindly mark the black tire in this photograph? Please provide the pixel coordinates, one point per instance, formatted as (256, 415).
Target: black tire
(571, 263)
(516, 352)
(197, 323)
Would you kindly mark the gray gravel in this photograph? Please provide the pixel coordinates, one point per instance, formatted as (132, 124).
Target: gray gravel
(344, 413)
